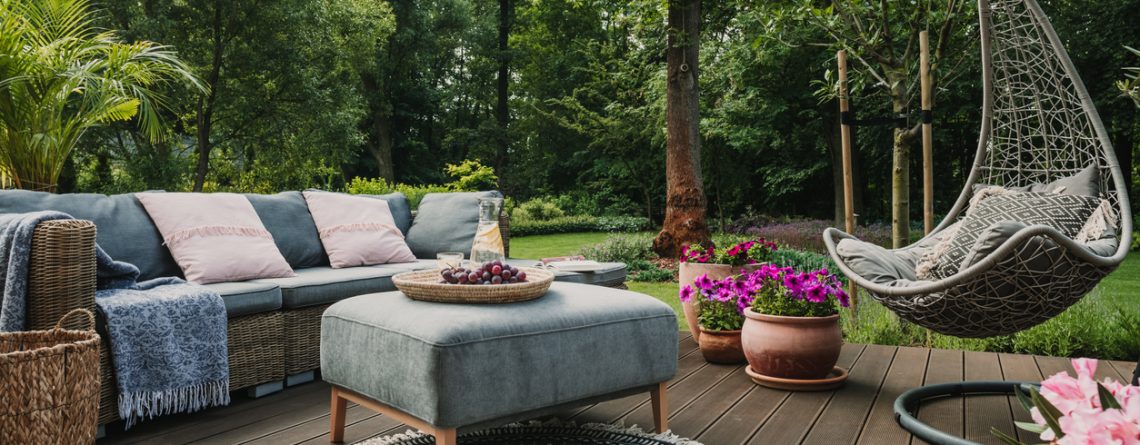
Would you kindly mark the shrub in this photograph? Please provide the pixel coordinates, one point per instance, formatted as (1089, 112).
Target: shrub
(570, 224)
(623, 248)
(808, 234)
(654, 275)
(471, 176)
(537, 209)
(378, 186)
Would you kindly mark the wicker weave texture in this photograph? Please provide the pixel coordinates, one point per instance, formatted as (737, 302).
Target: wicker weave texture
(62, 272)
(303, 339)
(49, 382)
(425, 285)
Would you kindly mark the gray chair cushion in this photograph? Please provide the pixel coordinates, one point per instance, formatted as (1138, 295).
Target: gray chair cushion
(322, 285)
(247, 297)
(446, 222)
(124, 230)
(874, 263)
(454, 365)
(401, 210)
(1085, 183)
(287, 218)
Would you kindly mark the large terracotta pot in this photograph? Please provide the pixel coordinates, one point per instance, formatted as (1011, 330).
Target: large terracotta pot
(791, 347)
(721, 347)
(688, 272)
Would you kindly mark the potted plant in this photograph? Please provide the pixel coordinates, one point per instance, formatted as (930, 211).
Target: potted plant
(791, 332)
(697, 260)
(720, 307)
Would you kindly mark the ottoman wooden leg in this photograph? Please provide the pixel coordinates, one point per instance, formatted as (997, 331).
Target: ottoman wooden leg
(660, 407)
(336, 416)
(445, 436)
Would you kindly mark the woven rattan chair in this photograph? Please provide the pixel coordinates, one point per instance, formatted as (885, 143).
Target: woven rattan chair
(1038, 125)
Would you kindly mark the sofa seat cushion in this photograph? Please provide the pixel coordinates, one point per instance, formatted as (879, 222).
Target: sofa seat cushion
(247, 297)
(455, 365)
(323, 285)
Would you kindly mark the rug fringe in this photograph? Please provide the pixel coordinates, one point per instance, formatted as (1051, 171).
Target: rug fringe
(596, 428)
(140, 405)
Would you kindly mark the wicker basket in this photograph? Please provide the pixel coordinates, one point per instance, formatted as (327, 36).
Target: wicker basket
(425, 285)
(49, 384)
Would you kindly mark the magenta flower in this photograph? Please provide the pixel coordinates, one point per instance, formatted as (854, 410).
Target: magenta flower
(686, 293)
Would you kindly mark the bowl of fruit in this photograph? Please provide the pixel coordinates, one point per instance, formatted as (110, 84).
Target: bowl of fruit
(490, 282)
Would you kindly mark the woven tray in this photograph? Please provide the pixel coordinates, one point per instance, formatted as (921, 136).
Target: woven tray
(425, 285)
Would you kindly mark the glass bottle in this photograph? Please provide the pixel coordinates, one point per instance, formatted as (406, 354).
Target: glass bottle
(488, 242)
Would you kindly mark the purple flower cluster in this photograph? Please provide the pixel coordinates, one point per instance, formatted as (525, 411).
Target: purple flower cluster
(813, 287)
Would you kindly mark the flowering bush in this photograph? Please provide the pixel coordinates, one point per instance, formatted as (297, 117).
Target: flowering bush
(769, 290)
(1081, 410)
(785, 292)
(748, 252)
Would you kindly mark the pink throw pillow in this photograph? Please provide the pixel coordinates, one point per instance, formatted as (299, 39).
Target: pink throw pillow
(357, 231)
(215, 237)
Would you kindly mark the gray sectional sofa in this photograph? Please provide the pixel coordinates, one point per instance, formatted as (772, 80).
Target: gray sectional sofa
(274, 324)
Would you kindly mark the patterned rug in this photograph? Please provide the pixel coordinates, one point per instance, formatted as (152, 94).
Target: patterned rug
(549, 433)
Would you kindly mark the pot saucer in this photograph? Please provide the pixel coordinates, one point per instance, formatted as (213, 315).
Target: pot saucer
(834, 379)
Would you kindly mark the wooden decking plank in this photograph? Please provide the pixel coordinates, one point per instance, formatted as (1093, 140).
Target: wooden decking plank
(693, 419)
(1020, 368)
(681, 394)
(843, 418)
(945, 414)
(315, 427)
(215, 421)
(1124, 369)
(736, 425)
(297, 415)
(986, 411)
(372, 426)
(614, 409)
(907, 372)
(797, 415)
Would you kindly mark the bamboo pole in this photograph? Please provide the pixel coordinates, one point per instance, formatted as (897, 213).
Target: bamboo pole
(927, 133)
(848, 175)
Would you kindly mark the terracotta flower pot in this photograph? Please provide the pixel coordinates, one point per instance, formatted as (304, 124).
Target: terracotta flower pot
(791, 347)
(688, 272)
(721, 347)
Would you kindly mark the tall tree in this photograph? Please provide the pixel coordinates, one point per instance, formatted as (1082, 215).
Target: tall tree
(502, 113)
(685, 203)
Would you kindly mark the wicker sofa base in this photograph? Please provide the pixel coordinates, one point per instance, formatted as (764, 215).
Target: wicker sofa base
(256, 355)
(303, 339)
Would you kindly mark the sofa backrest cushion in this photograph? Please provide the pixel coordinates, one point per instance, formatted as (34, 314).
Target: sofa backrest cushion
(287, 218)
(124, 230)
(357, 231)
(400, 208)
(446, 222)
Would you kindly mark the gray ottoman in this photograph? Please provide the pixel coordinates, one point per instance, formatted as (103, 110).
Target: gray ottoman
(441, 367)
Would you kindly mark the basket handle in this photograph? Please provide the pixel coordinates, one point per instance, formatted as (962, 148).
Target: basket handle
(90, 319)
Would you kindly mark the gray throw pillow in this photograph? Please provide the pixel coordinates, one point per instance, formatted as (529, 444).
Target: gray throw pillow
(287, 218)
(1085, 182)
(123, 228)
(446, 222)
(874, 263)
(1066, 213)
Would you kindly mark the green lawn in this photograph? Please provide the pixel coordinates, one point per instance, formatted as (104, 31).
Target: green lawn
(1123, 286)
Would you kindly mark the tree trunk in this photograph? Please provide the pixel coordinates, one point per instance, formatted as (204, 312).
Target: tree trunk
(685, 203)
(205, 110)
(831, 128)
(900, 171)
(380, 147)
(502, 114)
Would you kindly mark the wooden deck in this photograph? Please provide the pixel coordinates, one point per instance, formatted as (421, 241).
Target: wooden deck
(714, 404)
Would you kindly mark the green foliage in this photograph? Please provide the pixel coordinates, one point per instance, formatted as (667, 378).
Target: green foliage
(646, 272)
(471, 176)
(803, 260)
(61, 76)
(571, 224)
(623, 248)
(537, 209)
(377, 186)
(719, 316)
(1130, 86)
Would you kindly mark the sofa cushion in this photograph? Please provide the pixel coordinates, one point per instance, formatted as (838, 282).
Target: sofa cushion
(215, 237)
(124, 230)
(446, 222)
(873, 262)
(247, 297)
(323, 285)
(357, 231)
(401, 209)
(456, 365)
(286, 217)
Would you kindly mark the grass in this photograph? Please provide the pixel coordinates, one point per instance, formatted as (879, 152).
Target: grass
(1123, 286)
(546, 246)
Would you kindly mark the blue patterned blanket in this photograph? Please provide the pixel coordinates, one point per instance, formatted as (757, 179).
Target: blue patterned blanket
(167, 337)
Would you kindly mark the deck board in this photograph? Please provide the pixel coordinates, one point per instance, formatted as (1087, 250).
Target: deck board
(1020, 368)
(714, 404)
